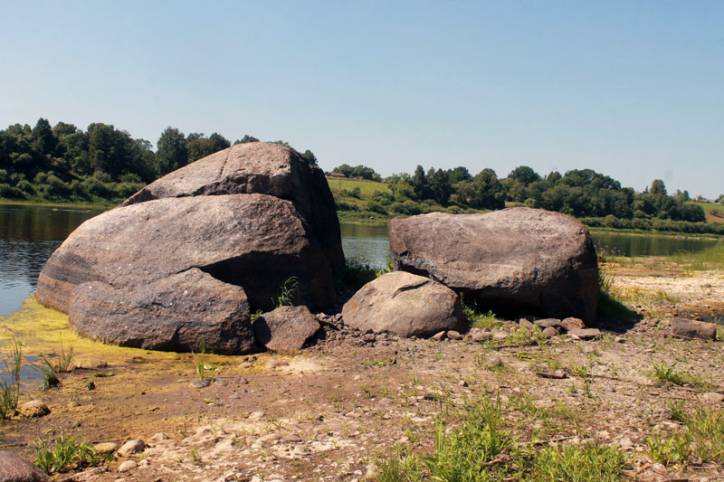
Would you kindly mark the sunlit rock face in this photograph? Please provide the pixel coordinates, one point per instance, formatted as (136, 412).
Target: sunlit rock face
(187, 257)
(518, 260)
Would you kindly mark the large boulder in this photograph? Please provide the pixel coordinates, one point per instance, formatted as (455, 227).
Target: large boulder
(405, 304)
(263, 168)
(517, 260)
(14, 468)
(188, 257)
(182, 312)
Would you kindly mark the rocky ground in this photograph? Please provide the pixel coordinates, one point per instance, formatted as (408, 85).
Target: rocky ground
(339, 409)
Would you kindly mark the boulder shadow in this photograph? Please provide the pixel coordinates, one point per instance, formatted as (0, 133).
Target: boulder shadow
(615, 316)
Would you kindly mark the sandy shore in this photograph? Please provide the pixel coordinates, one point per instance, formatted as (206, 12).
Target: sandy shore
(338, 410)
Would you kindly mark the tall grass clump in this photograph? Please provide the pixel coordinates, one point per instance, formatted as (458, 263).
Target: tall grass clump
(51, 368)
(289, 293)
(578, 463)
(204, 369)
(478, 318)
(65, 454)
(10, 387)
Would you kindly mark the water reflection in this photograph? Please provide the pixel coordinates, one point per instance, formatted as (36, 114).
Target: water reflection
(630, 244)
(28, 236)
(366, 244)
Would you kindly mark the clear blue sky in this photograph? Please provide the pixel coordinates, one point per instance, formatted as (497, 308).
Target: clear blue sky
(632, 89)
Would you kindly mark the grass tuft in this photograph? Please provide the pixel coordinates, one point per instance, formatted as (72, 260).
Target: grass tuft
(669, 449)
(666, 375)
(289, 293)
(578, 463)
(479, 319)
(65, 454)
(10, 389)
(703, 438)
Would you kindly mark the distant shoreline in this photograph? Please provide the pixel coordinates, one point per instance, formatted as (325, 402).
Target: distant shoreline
(345, 217)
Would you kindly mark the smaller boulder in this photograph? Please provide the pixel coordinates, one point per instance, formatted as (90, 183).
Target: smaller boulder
(105, 448)
(547, 323)
(14, 468)
(133, 446)
(572, 323)
(690, 329)
(525, 323)
(550, 331)
(34, 409)
(127, 466)
(454, 335)
(479, 335)
(585, 333)
(405, 304)
(286, 328)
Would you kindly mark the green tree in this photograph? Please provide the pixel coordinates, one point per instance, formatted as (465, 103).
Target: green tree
(658, 187)
(524, 175)
(439, 185)
(171, 151)
(419, 183)
(247, 138)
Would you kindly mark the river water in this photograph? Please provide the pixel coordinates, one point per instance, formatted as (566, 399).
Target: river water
(29, 234)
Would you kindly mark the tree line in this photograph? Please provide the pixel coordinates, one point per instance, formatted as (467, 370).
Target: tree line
(64, 162)
(579, 192)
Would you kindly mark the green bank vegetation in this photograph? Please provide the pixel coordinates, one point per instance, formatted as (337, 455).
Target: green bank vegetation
(102, 164)
(598, 200)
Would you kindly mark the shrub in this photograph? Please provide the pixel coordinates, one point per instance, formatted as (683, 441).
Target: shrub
(11, 192)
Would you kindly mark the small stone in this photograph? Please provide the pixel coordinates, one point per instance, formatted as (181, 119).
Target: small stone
(585, 333)
(439, 336)
(499, 335)
(479, 335)
(547, 323)
(712, 398)
(550, 332)
(620, 339)
(454, 335)
(105, 448)
(572, 323)
(372, 472)
(133, 446)
(246, 364)
(127, 466)
(625, 443)
(463, 383)
(34, 409)
(200, 383)
(558, 374)
(90, 385)
(495, 362)
(256, 416)
(690, 329)
(524, 323)
(276, 363)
